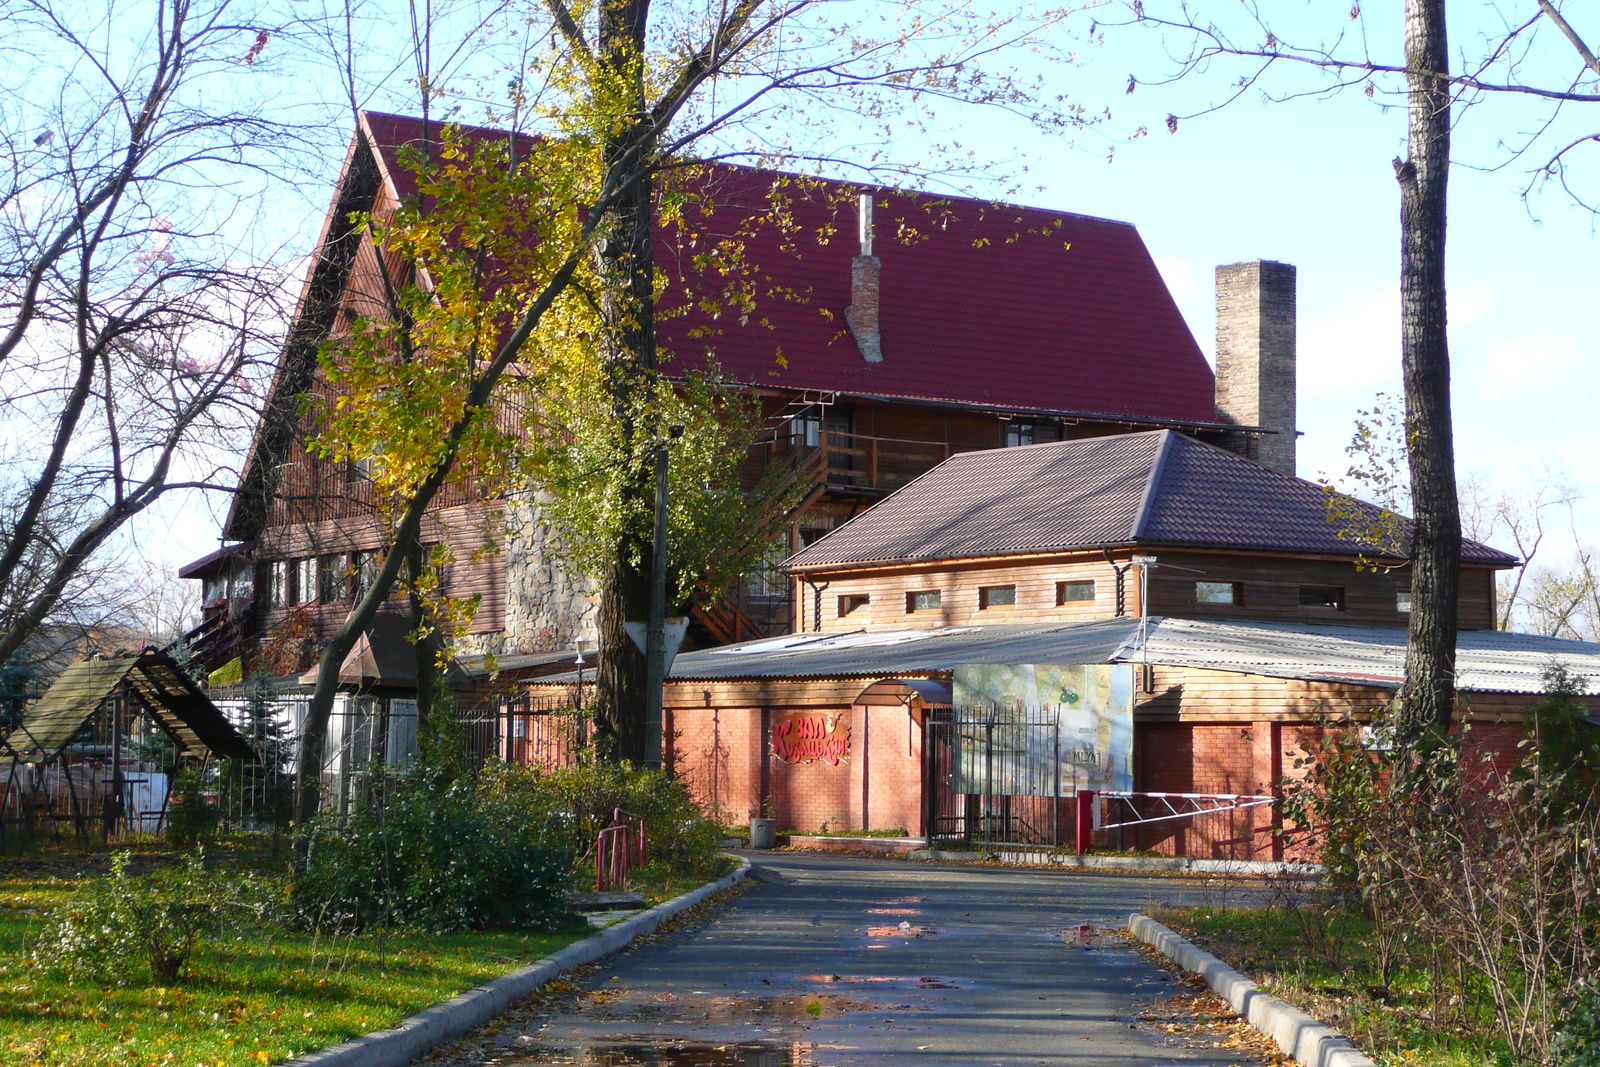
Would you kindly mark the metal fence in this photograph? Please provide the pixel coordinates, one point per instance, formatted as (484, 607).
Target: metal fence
(995, 777)
(369, 737)
(1006, 777)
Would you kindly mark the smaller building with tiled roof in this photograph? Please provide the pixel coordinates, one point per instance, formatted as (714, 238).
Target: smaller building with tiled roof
(1154, 523)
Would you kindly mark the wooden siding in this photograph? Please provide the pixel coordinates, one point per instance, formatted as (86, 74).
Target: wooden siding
(1271, 586)
(470, 531)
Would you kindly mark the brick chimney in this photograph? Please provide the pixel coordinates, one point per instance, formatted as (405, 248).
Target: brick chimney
(862, 314)
(1256, 357)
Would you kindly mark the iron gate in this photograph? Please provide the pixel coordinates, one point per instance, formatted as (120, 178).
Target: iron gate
(994, 777)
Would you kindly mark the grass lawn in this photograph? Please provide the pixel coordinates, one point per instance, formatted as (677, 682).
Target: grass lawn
(1320, 962)
(262, 998)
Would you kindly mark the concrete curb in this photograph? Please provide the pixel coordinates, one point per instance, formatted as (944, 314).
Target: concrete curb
(432, 1027)
(1143, 864)
(1295, 1032)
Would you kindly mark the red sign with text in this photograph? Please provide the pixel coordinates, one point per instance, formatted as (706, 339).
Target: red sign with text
(811, 737)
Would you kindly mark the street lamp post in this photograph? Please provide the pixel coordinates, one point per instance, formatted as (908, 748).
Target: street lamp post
(655, 645)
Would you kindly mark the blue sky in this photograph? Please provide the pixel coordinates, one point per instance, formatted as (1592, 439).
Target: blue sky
(1309, 182)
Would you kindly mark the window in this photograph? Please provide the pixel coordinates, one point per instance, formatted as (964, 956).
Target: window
(278, 579)
(1322, 597)
(303, 586)
(997, 596)
(367, 565)
(1402, 601)
(1219, 593)
(1031, 432)
(925, 600)
(1075, 592)
(805, 431)
(853, 603)
(331, 587)
(767, 577)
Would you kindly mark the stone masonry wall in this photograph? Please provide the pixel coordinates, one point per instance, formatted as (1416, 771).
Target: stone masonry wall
(548, 606)
(1256, 357)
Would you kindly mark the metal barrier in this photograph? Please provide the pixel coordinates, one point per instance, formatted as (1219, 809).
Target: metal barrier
(617, 850)
(1106, 817)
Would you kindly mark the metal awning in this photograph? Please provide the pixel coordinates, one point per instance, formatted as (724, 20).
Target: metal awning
(904, 692)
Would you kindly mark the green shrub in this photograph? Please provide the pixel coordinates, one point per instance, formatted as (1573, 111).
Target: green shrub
(127, 927)
(191, 820)
(433, 856)
(1577, 1042)
(581, 801)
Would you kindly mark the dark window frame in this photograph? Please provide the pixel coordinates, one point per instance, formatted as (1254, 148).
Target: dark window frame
(850, 603)
(986, 594)
(1062, 600)
(1236, 594)
(911, 600)
(1311, 598)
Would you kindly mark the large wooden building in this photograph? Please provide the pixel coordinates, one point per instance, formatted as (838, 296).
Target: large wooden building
(891, 331)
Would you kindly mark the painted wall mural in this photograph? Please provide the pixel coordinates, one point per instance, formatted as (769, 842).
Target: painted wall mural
(1019, 726)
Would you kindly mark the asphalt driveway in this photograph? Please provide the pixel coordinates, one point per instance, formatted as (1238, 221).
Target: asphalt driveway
(836, 961)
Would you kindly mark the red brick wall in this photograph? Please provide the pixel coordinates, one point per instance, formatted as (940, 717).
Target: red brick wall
(724, 756)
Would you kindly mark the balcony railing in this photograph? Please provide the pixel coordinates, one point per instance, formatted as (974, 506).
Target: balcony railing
(858, 464)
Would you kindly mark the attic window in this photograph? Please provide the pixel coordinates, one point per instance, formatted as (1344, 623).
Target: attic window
(997, 596)
(1031, 432)
(924, 600)
(1075, 592)
(1220, 593)
(1322, 597)
(852, 603)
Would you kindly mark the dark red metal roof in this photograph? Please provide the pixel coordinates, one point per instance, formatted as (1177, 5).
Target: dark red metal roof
(983, 303)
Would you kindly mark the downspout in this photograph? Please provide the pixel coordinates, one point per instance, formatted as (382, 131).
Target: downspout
(816, 611)
(1122, 583)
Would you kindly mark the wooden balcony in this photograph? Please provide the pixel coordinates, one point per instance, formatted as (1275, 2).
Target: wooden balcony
(856, 465)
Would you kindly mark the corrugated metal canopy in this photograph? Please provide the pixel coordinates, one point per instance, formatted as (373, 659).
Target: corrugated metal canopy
(906, 653)
(1490, 661)
(160, 687)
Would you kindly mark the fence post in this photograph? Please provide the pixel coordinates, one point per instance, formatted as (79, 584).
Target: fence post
(1055, 806)
(1085, 828)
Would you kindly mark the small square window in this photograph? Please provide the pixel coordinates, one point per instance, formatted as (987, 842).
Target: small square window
(853, 603)
(1322, 597)
(1075, 592)
(997, 596)
(1402, 601)
(926, 600)
(1219, 593)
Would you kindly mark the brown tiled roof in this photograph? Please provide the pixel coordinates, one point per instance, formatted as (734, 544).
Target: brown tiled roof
(1153, 488)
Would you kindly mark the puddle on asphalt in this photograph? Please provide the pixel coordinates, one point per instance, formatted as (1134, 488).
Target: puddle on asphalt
(912, 981)
(740, 1054)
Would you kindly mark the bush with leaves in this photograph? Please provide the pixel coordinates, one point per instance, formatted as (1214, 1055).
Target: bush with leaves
(1487, 877)
(191, 818)
(126, 927)
(433, 854)
(583, 799)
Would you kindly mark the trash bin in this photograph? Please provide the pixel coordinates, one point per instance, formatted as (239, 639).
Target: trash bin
(763, 833)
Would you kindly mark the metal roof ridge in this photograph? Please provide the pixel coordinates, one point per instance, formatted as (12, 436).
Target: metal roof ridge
(1142, 515)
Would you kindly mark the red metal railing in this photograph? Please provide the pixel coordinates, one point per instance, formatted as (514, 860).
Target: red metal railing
(617, 850)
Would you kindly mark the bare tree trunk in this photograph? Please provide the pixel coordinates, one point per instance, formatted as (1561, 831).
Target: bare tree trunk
(627, 267)
(1425, 362)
